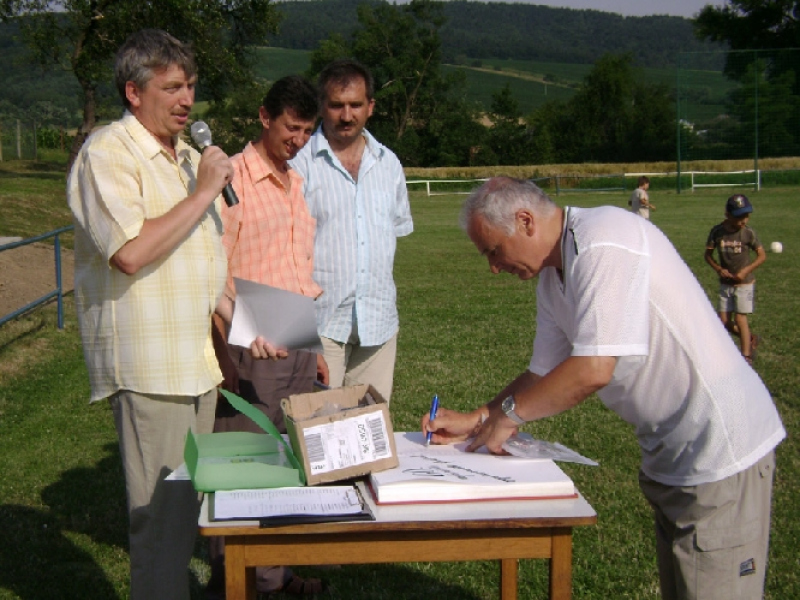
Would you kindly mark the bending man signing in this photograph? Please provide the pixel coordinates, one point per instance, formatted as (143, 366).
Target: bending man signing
(619, 313)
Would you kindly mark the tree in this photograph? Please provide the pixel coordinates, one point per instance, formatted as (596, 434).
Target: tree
(747, 24)
(401, 47)
(82, 36)
(763, 37)
(613, 117)
(236, 120)
(508, 136)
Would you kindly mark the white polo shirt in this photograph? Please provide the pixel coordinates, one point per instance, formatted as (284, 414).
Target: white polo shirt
(699, 411)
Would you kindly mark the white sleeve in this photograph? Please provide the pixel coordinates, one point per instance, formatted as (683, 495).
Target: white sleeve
(551, 345)
(610, 287)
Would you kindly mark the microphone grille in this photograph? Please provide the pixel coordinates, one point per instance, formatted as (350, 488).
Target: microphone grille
(201, 134)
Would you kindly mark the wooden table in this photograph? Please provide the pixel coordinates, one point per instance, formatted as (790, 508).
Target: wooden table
(504, 531)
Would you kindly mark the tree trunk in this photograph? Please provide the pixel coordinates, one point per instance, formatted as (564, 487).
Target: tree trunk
(89, 120)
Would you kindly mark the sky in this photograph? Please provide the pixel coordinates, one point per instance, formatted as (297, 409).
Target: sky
(632, 8)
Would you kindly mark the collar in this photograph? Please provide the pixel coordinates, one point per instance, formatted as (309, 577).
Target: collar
(149, 144)
(566, 233)
(319, 144)
(259, 169)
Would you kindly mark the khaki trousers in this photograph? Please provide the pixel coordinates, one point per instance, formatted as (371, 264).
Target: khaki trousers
(263, 383)
(712, 539)
(163, 514)
(351, 364)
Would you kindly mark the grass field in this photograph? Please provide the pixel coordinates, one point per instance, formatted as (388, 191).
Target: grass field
(464, 334)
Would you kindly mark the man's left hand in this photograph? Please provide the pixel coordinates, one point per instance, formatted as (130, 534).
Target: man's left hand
(493, 432)
(262, 349)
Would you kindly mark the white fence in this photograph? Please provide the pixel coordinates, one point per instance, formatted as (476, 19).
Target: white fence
(601, 182)
(713, 179)
(456, 186)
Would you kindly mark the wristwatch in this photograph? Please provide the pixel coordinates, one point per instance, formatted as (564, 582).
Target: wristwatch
(508, 407)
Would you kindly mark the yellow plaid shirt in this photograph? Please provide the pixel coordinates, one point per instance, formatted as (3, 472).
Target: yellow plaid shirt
(149, 332)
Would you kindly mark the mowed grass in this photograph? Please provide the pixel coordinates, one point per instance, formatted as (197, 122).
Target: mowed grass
(464, 334)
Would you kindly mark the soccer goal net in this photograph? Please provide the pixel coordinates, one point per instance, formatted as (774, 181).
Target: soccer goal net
(714, 179)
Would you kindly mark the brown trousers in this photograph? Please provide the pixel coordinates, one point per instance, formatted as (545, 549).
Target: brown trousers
(263, 383)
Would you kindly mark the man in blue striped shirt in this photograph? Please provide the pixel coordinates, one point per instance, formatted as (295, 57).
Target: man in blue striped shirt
(356, 190)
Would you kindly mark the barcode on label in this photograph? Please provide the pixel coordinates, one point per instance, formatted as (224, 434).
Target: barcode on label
(376, 432)
(315, 447)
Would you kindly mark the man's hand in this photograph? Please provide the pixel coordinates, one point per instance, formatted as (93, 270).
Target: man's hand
(214, 172)
(262, 349)
(451, 426)
(493, 432)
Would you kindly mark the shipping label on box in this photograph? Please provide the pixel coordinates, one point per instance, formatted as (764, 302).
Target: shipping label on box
(340, 433)
(347, 443)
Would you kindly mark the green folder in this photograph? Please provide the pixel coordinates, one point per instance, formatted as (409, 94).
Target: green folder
(238, 460)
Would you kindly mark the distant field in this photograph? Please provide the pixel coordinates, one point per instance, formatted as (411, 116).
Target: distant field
(274, 63)
(705, 91)
(530, 94)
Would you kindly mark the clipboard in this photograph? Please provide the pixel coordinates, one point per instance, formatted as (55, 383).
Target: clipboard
(363, 513)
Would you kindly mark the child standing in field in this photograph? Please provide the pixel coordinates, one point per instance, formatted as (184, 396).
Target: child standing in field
(639, 200)
(734, 240)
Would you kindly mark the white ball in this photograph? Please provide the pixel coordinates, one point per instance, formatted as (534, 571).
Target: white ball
(776, 247)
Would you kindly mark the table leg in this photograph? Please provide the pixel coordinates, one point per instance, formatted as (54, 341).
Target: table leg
(240, 580)
(509, 578)
(561, 565)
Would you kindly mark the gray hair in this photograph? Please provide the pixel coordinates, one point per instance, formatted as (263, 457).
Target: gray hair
(498, 200)
(146, 52)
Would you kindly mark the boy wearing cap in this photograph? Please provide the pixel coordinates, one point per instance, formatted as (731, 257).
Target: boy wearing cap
(733, 240)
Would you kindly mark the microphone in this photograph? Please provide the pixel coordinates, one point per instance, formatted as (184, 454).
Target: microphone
(201, 135)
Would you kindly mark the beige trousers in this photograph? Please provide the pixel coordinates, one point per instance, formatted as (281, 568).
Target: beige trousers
(351, 364)
(163, 514)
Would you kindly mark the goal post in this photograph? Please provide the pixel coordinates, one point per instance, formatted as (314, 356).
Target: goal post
(737, 105)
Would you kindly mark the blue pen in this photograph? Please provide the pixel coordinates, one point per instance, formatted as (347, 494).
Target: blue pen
(434, 408)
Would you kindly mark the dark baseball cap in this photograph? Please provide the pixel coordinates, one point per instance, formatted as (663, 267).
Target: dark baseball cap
(738, 205)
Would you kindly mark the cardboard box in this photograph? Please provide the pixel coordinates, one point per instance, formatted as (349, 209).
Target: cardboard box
(239, 460)
(340, 433)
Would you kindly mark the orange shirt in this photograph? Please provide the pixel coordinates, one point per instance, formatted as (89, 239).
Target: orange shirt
(269, 235)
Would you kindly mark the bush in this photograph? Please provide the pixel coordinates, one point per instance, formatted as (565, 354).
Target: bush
(53, 138)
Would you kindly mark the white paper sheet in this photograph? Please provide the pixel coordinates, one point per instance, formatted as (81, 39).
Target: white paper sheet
(277, 502)
(283, 318)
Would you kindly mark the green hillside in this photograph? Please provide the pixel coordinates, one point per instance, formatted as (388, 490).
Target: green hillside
(511, 31)
(495, 44)
(529, 90)
(274, 63)
(532, 82)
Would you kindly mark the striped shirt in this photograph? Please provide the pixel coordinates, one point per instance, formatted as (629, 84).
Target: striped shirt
(358, 223)
(149, 332)
(269, 235)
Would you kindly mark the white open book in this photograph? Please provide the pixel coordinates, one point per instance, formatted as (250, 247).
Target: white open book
(449, 474)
